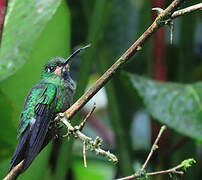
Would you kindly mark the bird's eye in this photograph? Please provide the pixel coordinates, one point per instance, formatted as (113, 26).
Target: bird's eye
(51, 69)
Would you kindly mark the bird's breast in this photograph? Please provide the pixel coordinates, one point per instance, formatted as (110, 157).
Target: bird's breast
(64, 97)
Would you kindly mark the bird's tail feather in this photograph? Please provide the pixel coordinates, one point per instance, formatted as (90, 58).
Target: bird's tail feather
(19, 153)
(31, 141)
(36, 140)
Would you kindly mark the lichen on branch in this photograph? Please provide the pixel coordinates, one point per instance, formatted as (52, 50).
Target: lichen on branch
(90, 144)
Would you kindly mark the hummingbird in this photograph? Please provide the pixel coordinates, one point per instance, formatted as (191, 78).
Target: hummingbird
(53, 94)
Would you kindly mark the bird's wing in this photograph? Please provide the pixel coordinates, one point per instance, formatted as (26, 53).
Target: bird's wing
(40, 94)
(35, 119)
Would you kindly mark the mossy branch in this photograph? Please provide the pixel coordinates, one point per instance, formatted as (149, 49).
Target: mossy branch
(89, 143)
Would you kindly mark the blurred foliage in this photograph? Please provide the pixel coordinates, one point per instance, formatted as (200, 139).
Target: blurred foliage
(179, 106)
(35, 31)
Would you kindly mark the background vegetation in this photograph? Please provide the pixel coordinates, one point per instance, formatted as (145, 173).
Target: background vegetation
(131, 107)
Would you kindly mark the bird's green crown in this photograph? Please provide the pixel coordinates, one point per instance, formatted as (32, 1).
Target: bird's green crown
(58, 67)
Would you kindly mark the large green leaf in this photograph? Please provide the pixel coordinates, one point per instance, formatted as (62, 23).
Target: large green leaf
(176, 105)
(24, 22)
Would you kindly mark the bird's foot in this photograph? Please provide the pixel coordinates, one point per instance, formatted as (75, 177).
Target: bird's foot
(70, 132)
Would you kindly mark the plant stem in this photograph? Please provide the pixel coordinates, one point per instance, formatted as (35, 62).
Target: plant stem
(174, 170)
(92, 145)
(154, 147)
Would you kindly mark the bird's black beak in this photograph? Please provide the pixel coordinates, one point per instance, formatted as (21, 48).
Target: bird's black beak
(74, 54)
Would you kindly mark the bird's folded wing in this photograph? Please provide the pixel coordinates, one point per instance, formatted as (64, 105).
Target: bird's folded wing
(41, 100)
(44, 113)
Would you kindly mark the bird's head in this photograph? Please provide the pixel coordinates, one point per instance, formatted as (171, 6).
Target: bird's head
(59, 67)
(56, 67)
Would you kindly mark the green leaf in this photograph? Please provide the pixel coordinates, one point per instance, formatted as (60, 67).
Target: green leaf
(176, 105)
(188, 163)
(24, 23)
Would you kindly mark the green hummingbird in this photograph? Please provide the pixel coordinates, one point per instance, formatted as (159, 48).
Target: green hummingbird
(53, 94)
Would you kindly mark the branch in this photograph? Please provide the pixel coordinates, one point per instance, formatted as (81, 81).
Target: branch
(183, 166)
(175, 170)
(179, 169)
(154, 147)
(187, 10)
(14, 172)
(89, 143)
(159, 21)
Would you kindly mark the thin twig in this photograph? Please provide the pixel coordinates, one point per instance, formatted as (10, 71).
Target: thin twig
(154, 147)
(84, 154)
(14, 172)
(92, 145)
(187, 10)
(100, 127)
(128, 177)
(175, 170)
(82, 124)
(171, 25)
